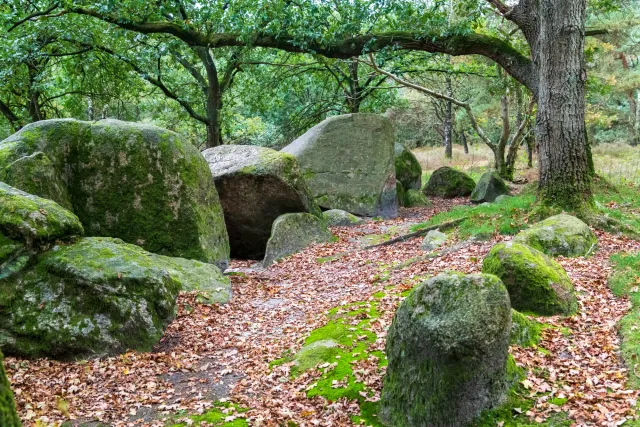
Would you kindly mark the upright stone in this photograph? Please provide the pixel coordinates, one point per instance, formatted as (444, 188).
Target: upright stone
(256, 185)
(348, 162)
(137, 182)
(447, 350)
(408, 169)
(8, 414)
(488, 188)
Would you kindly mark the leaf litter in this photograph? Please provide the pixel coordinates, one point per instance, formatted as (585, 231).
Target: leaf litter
(223, 353)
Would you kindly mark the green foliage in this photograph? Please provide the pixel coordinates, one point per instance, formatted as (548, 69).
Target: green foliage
(216, 417)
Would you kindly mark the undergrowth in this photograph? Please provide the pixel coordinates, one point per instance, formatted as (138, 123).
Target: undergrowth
(626, 282)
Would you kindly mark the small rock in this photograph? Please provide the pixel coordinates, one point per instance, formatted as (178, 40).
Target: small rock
(292, 233)
(561, 234)
(433, 240)
(449, 183)
(340, 218)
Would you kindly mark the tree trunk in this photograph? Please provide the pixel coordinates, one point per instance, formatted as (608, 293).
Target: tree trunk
(448, 122)
(564, 171)
(214, 98)
(463, 139)
(635, 140)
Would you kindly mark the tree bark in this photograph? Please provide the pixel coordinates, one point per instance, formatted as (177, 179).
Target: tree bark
(564, 162)
(448, 121)
(463, 139)
(213, 98)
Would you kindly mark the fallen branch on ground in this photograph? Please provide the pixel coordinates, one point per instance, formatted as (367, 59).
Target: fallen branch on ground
(418, 233)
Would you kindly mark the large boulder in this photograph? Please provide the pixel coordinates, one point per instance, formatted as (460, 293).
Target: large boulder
(536, 283)
(348, 162)
(449, 183)
(447, 350)
(292, 233)
(96, 297)
(256, 185)
(561, 234)
(8, 414)
(488, 188)
(137, 182)
(408, 169)
(338, 218)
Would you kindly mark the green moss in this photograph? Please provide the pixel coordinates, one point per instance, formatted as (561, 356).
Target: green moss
(414, 198)
(8, 415)
(525, 332)
(214, 417)
(408, 169)
(448, 182)
(505, 218)
(561, 234)
(535, 282)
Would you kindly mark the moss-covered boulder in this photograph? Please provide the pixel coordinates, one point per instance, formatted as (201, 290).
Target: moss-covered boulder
(292, 233)
(348, 162)
(137, 182)
(36, 174)
(488, 188)
(561, 234)
(401, 193)
(536, 283)
(256, 185)
(8, 414)
(339, 218)
(96, 297)
(447, 350)
(408, 169)
(415, 199)
(449, 183)
(32, 220)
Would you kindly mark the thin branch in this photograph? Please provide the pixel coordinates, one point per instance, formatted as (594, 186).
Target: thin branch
(34, 15)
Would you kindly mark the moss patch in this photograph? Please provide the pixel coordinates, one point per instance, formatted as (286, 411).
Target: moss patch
(216, 417)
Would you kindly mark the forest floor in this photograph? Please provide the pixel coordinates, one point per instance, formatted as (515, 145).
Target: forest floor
(233, 364)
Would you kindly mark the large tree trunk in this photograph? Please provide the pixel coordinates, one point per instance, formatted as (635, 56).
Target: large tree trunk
(448, 122)
(214, 98)
(564, 162)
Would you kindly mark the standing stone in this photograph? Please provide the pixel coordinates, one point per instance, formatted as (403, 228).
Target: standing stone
(348, 162)
(408, 169)
(256, 185)
(488, 188)
(137, 182)
(294, 232)
(8, 415)
(449, 183)
(447, 350)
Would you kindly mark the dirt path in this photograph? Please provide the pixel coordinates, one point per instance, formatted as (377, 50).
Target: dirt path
(219, 352)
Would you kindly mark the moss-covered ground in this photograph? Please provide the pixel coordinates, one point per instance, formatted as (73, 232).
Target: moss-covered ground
(221, 415)
(626, 282)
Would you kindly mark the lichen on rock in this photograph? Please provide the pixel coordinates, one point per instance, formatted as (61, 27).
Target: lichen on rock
(294, 232)
(536, 283)
(348, 162)
(447, 350)
(448, 183)
(560, 234)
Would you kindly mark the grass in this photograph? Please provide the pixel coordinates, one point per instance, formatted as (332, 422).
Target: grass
(506, 217)
(626, 282)
(619, 163)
